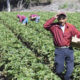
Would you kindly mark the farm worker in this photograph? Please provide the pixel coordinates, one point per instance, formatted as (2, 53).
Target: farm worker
(62, 32)
(22, 19)
(34, 17)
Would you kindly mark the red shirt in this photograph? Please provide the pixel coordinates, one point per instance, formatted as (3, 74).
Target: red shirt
(21, 17)
(60, 38)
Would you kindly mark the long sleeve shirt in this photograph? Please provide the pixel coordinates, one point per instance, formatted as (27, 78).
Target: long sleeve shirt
(21, 17)
(61, 39)
(33, 16)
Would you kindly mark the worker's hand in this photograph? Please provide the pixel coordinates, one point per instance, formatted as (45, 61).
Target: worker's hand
(56, 16)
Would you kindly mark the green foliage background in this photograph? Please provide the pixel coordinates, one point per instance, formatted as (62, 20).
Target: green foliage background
(27, 52)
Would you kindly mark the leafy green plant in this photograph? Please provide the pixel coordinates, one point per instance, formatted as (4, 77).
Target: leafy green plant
(28, 51)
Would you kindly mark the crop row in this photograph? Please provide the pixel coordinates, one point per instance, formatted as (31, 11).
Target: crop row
(38, 40)
(18, 62)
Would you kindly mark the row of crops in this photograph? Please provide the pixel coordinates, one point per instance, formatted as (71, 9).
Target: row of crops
(18, 61)
(27, 52)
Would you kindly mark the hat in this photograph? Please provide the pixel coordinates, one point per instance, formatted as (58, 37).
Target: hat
(62, 13)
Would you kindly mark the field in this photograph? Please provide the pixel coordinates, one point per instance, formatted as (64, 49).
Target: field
(27, 52)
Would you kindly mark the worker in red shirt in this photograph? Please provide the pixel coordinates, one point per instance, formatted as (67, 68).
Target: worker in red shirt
(62, 36)
(22, 19)
(35, 17)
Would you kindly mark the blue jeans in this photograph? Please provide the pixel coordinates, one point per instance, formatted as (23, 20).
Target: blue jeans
(25, 21)
(64, 55)
(37, 19)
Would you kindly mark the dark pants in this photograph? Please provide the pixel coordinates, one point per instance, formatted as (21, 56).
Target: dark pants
(64, 55)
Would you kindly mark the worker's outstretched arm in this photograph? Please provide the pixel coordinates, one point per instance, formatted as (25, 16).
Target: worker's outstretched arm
(49, 22)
